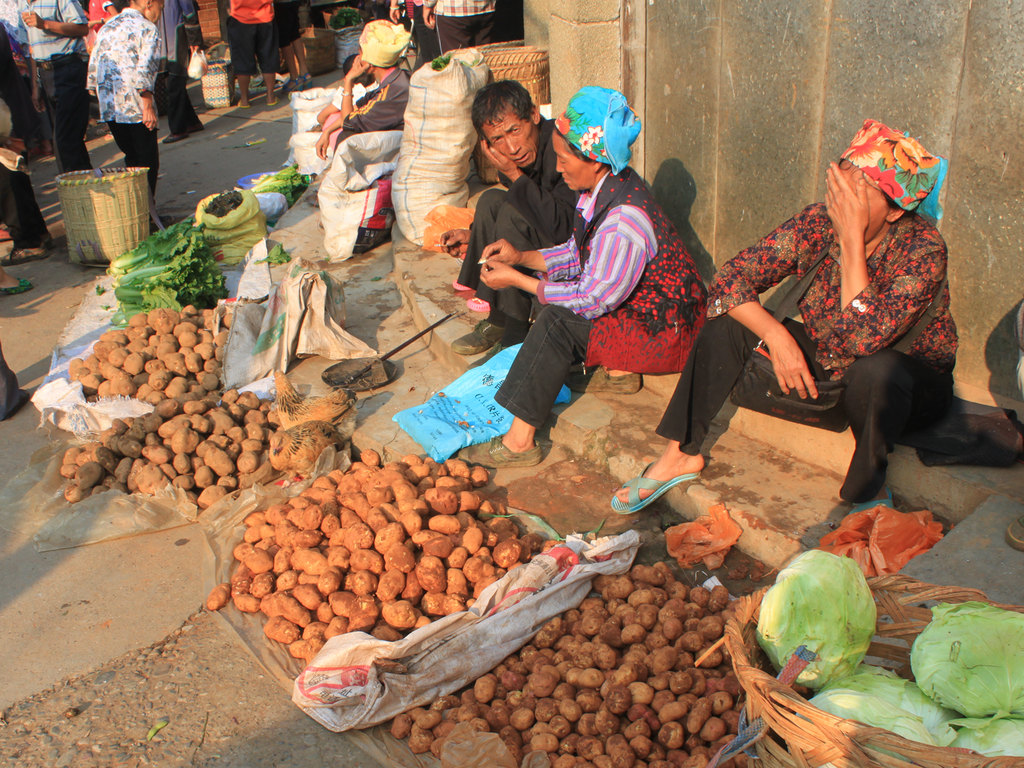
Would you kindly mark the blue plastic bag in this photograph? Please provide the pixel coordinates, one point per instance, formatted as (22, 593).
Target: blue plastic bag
(464, 413)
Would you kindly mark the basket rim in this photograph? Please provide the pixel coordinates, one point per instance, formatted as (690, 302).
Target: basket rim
(107, 174)
(761, 687)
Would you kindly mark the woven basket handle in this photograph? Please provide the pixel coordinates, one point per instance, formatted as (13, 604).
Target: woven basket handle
(748, 734)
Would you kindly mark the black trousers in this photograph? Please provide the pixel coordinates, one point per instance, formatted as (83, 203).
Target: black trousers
(64, 90)
(9, 392)
(140, 148)
(19, 210)
(495, 219)
(428, 44)
(887, 394)
(464, 31)
(556, 341)
(181, 115)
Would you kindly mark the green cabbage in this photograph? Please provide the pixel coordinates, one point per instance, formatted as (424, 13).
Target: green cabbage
(822, 601)
(970, 658)
(871, 710)
(892, 697)
(994, 737)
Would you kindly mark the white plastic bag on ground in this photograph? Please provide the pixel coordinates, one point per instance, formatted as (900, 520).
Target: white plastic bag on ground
(357, 681)
(354, 196)
(306, 105)
(272, 205)
(304, 315)
(438, 141)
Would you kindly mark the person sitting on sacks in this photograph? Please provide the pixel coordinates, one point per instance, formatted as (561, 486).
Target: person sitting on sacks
(622, 292)
(381, 46)
(536, 211)
(885, 269)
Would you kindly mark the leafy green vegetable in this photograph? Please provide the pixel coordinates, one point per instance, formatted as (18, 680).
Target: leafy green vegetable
(882, 699)
(289, 182)
(100, 290)
(441, 62)
(821, 601)
(278, 255)
(970, 658)
(344, 18)
(167, 271)
(994, 737)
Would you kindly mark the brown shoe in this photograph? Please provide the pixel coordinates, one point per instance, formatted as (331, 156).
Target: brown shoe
(600, 381)
(496, 454)
(484, 336)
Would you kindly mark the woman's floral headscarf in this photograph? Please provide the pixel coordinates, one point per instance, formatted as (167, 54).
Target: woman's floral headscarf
(902, 168)
(600, 124)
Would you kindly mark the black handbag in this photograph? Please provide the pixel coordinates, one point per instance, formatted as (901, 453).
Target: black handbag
(757, 387)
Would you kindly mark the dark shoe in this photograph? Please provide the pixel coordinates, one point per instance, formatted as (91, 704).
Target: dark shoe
(495, 454)
(599, 381)
(23, 255)
(175, 137)
(1015, 534)
(480, 339)
(22, 286)
(196, 128)
(23, 397)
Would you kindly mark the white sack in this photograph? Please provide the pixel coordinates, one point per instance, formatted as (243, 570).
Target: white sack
(306, 105)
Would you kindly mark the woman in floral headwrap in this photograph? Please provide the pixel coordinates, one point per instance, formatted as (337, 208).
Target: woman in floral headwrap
(886, 268)
(622, 295)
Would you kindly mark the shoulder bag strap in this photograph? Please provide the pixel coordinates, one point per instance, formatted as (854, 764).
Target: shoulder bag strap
(794, 294)
(904, 344)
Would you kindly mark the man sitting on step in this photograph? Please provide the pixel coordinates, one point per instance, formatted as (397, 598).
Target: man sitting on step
(535, 212)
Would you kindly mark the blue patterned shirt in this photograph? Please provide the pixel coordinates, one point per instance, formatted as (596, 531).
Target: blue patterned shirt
(44, 45)
(125, 61)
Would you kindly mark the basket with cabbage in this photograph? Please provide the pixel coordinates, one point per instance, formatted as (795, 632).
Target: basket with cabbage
(965, 654)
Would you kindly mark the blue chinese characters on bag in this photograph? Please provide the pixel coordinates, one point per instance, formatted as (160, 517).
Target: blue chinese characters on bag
(464, 413)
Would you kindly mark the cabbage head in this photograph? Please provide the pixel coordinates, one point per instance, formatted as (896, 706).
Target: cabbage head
(822, 601)
(872, 710)
(994, 737)
(970, 658)
(891, 695)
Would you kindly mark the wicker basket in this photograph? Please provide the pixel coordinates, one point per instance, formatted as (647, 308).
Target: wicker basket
(801, 735)
(319, 45)
(514, 61)
(106, 212)
(218, 83)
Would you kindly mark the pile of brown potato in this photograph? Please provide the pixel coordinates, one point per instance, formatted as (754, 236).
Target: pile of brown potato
(611, 684)
(161, 354)
(381, 549)
(206, 449)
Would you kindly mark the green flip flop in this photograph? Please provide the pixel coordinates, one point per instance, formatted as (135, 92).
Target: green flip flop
(22, 286)
(647, 484)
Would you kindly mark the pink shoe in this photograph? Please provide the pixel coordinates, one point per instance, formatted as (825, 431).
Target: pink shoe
(460, 287)
(478, 305)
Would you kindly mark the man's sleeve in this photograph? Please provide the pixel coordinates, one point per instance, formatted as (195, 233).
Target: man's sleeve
(383, 114)
(149, 59)
(71, 12)
(550, 212)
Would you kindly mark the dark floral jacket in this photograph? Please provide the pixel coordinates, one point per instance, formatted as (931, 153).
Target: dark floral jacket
(906, 272)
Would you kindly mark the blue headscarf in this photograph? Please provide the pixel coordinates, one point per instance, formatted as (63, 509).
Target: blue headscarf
(600, 124)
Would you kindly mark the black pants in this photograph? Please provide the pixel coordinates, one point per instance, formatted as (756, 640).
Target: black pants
(428, 44)
(19, 210)
(464, 31)
(181, 115)
(556, 341)
(16, 94)
(140, 148)
(64, 90)
(887, 393)
(495, 219)
(10, 395)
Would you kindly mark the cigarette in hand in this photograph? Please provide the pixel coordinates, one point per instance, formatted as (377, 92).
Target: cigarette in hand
(483, 260)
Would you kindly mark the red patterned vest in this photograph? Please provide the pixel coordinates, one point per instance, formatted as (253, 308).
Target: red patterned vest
(653, 330)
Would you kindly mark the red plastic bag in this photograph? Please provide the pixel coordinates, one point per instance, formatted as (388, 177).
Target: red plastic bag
(440, 220)
(708, 538)
(882, 540)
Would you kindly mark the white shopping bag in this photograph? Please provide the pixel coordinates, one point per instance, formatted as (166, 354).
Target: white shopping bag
(197, 65)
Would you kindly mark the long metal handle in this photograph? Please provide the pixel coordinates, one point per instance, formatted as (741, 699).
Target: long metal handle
(409, 341)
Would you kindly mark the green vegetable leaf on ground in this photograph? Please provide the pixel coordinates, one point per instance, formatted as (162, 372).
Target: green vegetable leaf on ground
(278, 255)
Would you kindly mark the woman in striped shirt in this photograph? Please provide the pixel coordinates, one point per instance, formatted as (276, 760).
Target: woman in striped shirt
(622, 294)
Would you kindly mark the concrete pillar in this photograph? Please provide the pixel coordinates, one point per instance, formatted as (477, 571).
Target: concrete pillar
(584, 47)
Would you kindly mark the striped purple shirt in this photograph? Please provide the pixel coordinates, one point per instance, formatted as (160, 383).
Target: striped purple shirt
(621, 247)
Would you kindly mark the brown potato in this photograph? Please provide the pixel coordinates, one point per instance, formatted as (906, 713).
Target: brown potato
(280, 629)
(399, 614)
(218, 597)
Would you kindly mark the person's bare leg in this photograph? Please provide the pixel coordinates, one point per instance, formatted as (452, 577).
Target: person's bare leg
(269, 80)
(6, 281)
(672, 463)
(519, 437)
(288, 53)
(300, 57)
(243, 90)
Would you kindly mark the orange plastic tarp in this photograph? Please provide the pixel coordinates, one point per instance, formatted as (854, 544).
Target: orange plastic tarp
(708, 538)
(882, 540)
(440, 220)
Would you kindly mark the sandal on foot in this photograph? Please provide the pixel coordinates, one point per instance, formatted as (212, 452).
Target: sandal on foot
(22, 286)
(647, 484)
(865, 505)
(495, 454)
(23, 255)
(1015, 534)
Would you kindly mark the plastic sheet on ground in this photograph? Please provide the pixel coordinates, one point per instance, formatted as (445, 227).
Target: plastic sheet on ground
(357, 681)
(61, 401)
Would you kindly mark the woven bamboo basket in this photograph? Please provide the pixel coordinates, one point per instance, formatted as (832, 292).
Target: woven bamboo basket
(319, 45)
(801, 735)
(514, 61)
(106, 212)
(218, 83)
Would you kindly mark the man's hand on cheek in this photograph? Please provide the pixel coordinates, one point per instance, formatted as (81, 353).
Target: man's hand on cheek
(500, 160)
